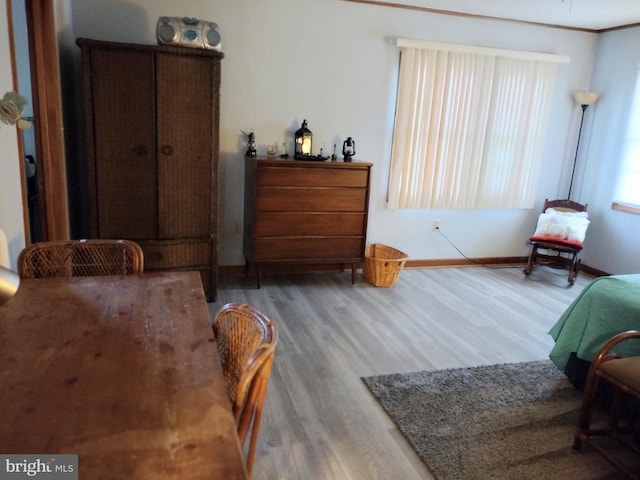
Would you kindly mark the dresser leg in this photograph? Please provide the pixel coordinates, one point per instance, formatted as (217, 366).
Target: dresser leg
(257, 275)
(353, 273)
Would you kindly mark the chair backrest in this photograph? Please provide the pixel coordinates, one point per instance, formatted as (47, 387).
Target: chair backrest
(246, 341)
(80, 258)
(564, 205)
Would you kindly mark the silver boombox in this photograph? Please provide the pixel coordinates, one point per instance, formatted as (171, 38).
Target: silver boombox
(188, 32)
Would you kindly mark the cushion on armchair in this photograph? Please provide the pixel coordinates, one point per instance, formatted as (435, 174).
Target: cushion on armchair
(555, 226)
(556, 241)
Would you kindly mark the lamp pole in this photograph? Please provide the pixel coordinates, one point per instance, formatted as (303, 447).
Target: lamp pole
(575, 159)
(584, 99)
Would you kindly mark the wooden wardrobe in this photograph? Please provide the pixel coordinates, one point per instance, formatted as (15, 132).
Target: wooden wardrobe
(151, 126)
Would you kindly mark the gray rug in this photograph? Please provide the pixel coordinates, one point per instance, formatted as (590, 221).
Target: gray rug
(513, 421)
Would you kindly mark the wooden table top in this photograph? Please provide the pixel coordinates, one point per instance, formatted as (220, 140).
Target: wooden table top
(120, 370)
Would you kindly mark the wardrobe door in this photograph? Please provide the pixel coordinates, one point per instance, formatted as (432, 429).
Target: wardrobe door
(124, 144)
(185, 149)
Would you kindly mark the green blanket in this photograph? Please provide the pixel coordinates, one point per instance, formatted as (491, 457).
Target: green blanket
(607, 306)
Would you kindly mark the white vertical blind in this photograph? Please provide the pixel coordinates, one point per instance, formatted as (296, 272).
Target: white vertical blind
(469, 128)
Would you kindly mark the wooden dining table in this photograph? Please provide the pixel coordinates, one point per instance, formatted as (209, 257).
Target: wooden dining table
(122, 371)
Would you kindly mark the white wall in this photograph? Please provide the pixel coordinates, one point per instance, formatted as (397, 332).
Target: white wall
(11, 214)
(328, 62)
(612, 240)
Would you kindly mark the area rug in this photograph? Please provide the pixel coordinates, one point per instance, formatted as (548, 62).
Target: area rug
(511, 421)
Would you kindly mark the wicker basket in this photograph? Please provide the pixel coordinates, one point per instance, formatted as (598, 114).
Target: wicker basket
(382, 265)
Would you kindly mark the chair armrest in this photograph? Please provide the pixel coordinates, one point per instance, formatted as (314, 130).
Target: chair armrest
(604, 355)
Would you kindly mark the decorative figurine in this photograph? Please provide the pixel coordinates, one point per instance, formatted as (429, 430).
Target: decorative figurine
(334, 157)
(348, 149)
(284, 153)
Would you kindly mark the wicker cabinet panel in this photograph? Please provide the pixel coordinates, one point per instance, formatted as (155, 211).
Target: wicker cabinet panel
(124, 142)
(160, 256)
(185, 147)
(300, 211)
(151, 117)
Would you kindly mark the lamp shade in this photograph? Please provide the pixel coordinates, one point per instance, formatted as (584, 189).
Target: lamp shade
(586, 98)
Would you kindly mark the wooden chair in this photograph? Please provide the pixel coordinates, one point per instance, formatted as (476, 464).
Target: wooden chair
(80, 258)
(623, 374)
(246, 342)
(565, 251)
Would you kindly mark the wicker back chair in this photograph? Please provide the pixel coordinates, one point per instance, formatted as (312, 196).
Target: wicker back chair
(246, 342)
(623, 374)
(80, 258)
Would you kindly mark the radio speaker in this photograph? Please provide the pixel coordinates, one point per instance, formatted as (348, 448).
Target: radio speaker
(188, 32)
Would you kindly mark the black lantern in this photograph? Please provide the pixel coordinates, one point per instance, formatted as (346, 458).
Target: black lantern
(303, 141)
(251, 144)
(348, 149)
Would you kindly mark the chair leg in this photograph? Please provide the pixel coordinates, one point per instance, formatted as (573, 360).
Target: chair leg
(586, 412)
(255, 429)
(530, 261)
(573, 270)
(571, 279)
(614, 411)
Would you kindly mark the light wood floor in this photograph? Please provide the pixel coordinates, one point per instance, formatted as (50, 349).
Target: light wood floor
(320, 421)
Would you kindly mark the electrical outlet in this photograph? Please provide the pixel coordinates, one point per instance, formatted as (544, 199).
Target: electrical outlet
(436, 225)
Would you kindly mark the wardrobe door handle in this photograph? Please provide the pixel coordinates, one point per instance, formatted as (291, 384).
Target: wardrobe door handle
(166, 150)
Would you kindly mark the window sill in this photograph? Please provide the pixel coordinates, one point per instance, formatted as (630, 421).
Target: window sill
(625, 207)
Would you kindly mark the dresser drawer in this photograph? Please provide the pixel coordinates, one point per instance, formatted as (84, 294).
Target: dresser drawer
(270, 199)
(159, 255)
(270, 224)
(338, 176)
(308, 249)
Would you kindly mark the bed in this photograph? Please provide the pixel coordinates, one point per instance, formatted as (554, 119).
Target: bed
(608, 305)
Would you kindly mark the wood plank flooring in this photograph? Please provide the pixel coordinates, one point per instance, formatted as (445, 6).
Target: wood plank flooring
(320, 422)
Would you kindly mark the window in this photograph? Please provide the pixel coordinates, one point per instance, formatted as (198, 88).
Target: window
(470, 126)
(627, 196)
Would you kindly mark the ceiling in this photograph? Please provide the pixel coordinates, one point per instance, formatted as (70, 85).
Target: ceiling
(580, 14)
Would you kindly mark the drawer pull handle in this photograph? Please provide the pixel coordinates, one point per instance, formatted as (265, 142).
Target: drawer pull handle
(167, 150)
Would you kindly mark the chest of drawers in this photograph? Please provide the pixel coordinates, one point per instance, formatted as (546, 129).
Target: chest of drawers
(305, 212)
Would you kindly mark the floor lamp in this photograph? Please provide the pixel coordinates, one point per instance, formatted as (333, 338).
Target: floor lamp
(584, 99)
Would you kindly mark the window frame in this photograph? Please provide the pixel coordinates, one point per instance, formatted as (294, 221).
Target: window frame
(404, 192)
